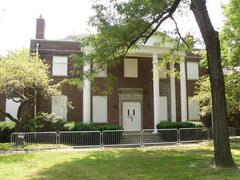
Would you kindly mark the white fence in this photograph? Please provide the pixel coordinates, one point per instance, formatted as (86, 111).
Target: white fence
(113, 138)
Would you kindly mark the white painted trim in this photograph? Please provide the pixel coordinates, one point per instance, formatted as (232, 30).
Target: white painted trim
(156, 93)
(173, 95)
(86, 96)
(183, 90)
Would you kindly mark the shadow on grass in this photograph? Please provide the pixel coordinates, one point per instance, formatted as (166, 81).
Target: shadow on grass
(139, 164)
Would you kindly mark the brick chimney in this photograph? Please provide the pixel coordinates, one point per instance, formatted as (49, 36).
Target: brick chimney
(40, 28)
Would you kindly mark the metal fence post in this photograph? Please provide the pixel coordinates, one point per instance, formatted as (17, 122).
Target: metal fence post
(179, 136)
(101, 139)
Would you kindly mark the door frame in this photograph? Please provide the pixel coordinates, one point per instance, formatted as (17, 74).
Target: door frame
(130, 95)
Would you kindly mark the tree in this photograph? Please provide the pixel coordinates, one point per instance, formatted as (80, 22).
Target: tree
(232, 86)
(124, 25)
(230, 35)
(230, 48)
(21, 76)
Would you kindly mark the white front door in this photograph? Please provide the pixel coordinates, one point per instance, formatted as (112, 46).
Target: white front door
(131, 115)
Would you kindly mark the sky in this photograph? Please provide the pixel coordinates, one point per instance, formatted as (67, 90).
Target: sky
(67, 17)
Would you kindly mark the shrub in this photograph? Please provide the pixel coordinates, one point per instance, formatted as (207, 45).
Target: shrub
(169, 125)
(45, 122)
(79, 126)
(6, 129)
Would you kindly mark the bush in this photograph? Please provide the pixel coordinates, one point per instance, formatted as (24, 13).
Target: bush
(45, 122)
(6, 129)
(79, 126)
(178, 125)
(94, 139)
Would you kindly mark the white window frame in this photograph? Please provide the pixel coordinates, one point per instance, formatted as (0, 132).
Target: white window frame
(100, 109)
(59, 107)
(130, 73)
(192, 70)
(10, 104)
(59, 60)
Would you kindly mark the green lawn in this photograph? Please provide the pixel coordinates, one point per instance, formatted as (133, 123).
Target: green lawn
(135, 163)
(5, 146)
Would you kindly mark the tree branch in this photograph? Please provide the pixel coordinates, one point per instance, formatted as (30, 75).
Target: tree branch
(159, 20)
(20, 108)
(178, 32)
(8, 116)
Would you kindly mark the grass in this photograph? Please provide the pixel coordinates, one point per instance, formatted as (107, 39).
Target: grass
(5, 146)
(194, 162)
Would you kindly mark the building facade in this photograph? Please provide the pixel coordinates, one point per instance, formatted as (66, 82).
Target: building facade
(141, 96)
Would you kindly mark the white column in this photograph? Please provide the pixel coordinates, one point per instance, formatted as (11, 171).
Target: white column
(183, 90)
(173, 94)
(156, 96)
(86, 96)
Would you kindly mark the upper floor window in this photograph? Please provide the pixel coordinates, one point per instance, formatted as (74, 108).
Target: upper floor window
(60, 66)
(131, 67)
(192, 70)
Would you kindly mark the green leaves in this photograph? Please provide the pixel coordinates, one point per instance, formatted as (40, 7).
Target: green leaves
(232, 86)
(230, 36)
(21, 72)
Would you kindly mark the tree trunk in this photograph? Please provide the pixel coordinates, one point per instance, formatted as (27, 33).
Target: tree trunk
(222, 151)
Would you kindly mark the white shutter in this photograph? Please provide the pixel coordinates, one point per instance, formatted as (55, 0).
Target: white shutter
(99, 109)
(60, 66)
(131, 68)
(59, 106)
(163, 113)
(193, 109)
(12, 107)
(192, 70)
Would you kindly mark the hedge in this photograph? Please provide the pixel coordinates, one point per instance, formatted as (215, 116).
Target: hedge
(79, 126)
(178, 125)
(6, 129)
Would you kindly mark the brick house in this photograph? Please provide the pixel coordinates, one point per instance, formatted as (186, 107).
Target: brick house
(138, 101)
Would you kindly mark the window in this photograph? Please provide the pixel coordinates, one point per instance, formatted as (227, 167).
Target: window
(60, 66)
(193, 109)
(131, 68)
(99, 109)
(12, 107)
(59, 106)
(101, 72)
(192, 70)
(163, 113)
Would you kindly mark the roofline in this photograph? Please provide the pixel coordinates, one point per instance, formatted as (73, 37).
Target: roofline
(70, 41)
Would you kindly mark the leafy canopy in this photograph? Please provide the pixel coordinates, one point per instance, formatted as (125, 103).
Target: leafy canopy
(232, 86)
(230, 35)
(20, 71)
